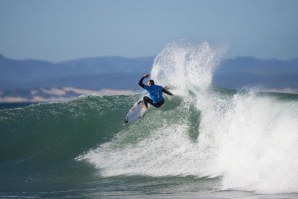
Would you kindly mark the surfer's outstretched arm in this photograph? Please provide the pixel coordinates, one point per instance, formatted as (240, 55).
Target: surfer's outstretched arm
(141, 80)
(141, 84)
(167, 92)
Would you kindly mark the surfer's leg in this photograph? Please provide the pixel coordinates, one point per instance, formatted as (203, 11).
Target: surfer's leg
(157, 105)
(147, 100)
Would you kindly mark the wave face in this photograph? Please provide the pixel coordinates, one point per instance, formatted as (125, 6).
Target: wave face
(202, 139)
(39, 143)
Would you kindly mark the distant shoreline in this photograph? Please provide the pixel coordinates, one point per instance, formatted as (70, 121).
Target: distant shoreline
(44, 95)
(284, 91)
(41, 95)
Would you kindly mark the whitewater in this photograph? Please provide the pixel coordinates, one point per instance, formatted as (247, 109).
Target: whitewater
(205, 142)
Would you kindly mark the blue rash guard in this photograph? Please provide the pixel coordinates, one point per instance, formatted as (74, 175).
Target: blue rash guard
(155, 93)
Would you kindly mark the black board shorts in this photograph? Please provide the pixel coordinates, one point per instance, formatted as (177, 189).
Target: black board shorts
(148, 100)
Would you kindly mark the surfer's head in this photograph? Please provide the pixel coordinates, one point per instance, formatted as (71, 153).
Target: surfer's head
(150, 82)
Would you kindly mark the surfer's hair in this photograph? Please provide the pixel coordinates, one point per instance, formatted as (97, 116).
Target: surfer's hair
(151, 82)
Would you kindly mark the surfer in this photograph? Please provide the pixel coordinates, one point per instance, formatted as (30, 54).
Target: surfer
(155, 93)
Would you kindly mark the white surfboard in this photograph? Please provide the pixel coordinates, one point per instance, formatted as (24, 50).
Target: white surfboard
(136, 112)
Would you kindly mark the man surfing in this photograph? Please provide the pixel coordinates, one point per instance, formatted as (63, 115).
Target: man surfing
(155, 93)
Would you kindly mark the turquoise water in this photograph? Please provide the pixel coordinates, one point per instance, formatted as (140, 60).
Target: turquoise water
(81, 148)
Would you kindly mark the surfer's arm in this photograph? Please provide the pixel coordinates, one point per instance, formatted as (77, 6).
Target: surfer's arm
(167, 92)
(141, 82)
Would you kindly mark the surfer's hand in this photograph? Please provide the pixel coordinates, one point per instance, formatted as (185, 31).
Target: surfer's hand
(147, 75)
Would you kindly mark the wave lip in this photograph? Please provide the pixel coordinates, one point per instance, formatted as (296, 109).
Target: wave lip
(185, 66)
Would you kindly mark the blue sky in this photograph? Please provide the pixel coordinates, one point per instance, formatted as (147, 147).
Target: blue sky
(57, 30)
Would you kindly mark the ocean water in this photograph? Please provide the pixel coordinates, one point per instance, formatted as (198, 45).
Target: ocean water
(205, 142)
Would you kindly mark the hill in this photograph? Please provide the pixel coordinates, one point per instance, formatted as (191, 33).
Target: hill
(21, 78)
(251, 72)
(90, 73)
